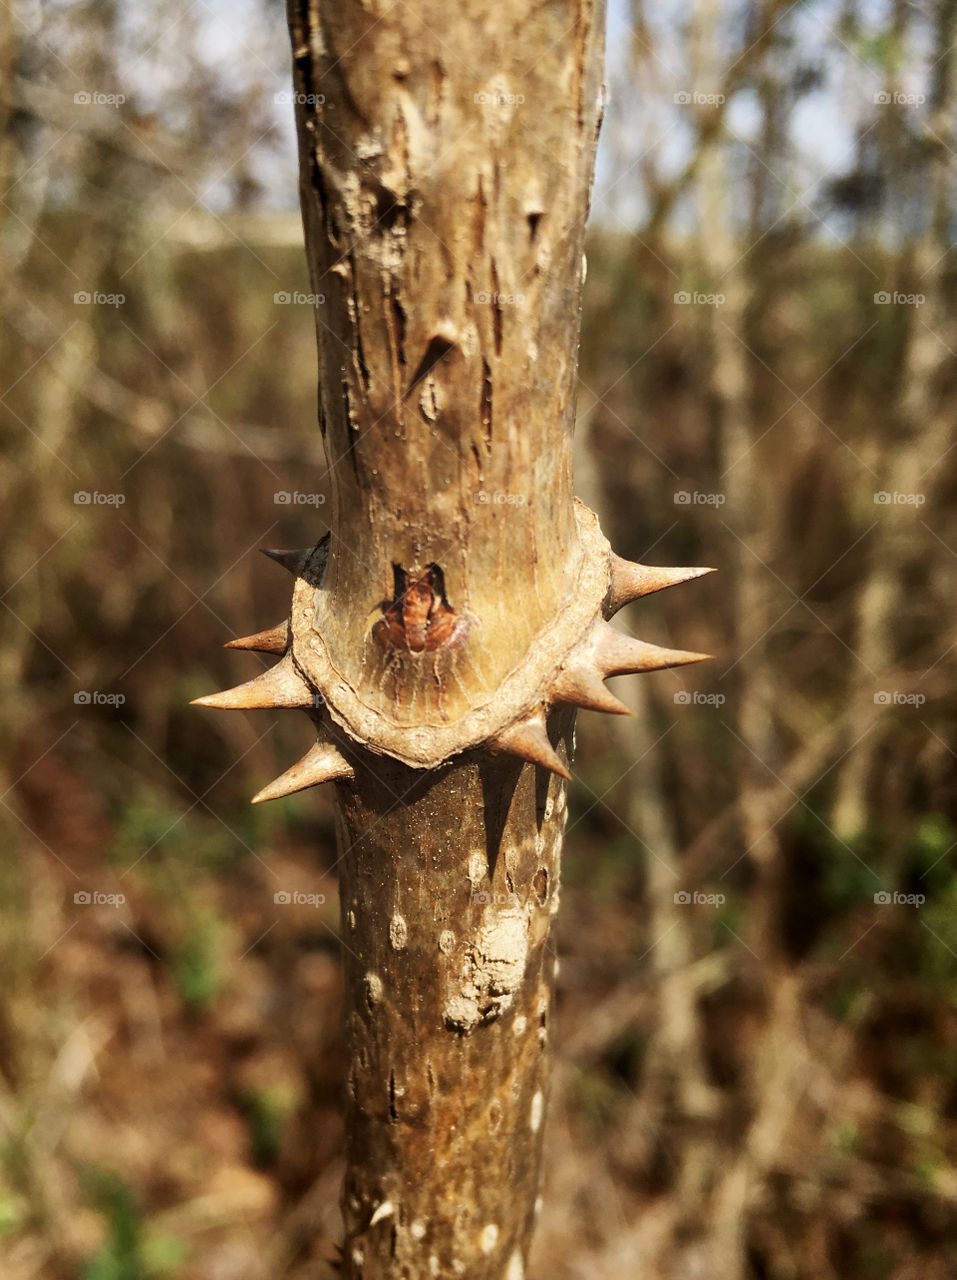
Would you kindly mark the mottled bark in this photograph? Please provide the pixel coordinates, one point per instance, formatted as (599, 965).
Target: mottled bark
(444, 198)
(447, 901)
(443, 633)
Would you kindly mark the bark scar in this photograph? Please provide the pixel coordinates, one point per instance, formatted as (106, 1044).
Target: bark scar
(491, 969)
(419, 617)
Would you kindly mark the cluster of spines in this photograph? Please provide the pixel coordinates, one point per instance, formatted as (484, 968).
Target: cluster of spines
(282, 686)
(602, 652)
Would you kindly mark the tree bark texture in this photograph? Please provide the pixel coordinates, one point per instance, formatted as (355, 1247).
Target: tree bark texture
(454, 617)
(447, 901)
(445, 231)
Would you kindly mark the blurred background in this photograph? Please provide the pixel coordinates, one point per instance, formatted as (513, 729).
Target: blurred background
(756, 1046)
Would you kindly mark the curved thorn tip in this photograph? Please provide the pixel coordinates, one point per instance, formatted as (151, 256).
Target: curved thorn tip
(321, 763)
(629, 581)
(280, 686)
(274, 640)
(294, 561)
(579, 685)
(528, 739)
(618, 654)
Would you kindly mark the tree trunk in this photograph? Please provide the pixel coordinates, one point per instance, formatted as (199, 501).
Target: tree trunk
(446, 629)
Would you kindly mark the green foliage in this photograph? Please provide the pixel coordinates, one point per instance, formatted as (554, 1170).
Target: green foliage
(845, 1137)
(939, 936)
(130, 1251)
(12, 1212)
(882, 49)
(152, 822)
(200, 958)
(935, 837)
(267, 1112)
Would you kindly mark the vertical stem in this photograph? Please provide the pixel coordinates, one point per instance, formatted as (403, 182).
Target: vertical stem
(446, 164)
(449, 882)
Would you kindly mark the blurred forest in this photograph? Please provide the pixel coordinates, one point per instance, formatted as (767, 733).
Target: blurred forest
(756, 1044)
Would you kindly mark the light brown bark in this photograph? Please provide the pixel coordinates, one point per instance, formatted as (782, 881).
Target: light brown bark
(444, 632)
(447, 900)
(446, 158)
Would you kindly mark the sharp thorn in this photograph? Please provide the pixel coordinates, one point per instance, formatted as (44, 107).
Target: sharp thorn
(275, 640)
(579, 685)
(280, 686)
(616, 654)
(294, 561)
(629, 581)
(529, 740)
(321, 763)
